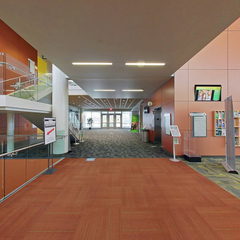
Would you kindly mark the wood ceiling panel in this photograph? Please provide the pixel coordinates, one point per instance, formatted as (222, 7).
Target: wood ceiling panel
(86, 102)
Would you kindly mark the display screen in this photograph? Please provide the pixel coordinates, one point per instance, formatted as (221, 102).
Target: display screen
(208, 92)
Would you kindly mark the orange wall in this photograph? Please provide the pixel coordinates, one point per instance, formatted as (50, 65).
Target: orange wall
(22, 125)
(164, 98)
(11, 43)
(217, 63)
(17, 52)
(3, 123)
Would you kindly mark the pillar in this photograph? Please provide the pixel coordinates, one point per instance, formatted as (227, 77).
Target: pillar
(10, 131)
(60, 110)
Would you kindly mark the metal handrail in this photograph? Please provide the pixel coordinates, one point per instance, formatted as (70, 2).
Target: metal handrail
(21, 149)
(19, 77)
(17, 68)
(28, 147)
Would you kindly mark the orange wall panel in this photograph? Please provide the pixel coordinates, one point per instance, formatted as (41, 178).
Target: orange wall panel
(11, 43)
(216, 64)
(164, 98)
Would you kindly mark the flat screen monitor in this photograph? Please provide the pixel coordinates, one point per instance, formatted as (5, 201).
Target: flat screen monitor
(208, 93)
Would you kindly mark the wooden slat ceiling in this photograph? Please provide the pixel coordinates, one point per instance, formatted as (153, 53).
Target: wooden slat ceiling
(86, 102)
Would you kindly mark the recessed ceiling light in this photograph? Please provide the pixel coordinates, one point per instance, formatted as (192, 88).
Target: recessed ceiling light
(92, 63)
(132, 90)
(104, 90)
(142, 64)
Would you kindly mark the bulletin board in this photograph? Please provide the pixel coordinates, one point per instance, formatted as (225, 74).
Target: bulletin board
(199, 124)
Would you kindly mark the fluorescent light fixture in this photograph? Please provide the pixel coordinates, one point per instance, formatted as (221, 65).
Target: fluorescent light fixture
(104, 90)
(142, 64)
(91, 63)
(133, 90)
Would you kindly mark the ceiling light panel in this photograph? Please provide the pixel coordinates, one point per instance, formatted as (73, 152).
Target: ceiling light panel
(142, 64)
(133, 90)
(104, 90)
(92, 63)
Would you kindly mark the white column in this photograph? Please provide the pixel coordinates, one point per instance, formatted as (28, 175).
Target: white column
(60, 110)
(10, 131)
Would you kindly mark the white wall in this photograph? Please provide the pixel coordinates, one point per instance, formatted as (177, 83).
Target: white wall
(60, 109)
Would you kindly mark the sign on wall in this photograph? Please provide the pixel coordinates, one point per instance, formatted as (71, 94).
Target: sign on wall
(167, 122)
(49, 130)
(199, 124)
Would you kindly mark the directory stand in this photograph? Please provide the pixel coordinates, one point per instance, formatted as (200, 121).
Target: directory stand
(49, 138)
(175, 133)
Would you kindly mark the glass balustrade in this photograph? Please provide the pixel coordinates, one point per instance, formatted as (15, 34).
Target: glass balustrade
(16, 80)
(23, 165)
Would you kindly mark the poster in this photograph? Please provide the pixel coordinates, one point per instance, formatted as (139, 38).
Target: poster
(175, 131)
(135, 123)
(199, 123)
(167, 122)
(49, 130)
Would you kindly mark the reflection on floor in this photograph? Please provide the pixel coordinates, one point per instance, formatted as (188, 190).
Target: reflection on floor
(116, 199)
(212, 169)
(115, 144)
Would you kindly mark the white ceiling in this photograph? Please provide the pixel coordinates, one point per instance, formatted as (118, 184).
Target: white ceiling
(169, 31)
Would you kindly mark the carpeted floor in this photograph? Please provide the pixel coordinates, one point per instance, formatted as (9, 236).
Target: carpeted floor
(114, 144)
(213, 169)
(112, 199)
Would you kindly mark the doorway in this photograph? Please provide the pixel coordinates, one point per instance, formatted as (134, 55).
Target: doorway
(157, 125)
(112, 120)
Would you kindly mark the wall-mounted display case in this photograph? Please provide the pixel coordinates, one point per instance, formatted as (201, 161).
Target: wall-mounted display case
(220, 125)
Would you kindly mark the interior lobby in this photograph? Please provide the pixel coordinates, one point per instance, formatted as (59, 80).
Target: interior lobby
(120, 120)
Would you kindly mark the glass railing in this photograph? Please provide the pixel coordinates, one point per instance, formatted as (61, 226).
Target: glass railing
(23, 165)
(16, 80)
(30, 88)
(16, 142)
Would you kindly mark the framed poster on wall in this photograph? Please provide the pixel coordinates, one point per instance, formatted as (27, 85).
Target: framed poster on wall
(167, 123)
(199, 124)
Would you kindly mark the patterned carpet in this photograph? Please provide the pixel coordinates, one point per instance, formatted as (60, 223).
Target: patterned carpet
(114, 143)
(124, 144)
(213, 169)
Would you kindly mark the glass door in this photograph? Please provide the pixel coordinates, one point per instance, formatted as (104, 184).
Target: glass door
(104, 121)
(118, 120)
(111, 122)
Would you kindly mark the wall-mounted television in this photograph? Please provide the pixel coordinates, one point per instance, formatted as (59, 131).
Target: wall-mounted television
(208, 93)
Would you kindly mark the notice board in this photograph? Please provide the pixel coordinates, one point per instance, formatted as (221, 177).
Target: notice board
(199, 124)
(49, 130)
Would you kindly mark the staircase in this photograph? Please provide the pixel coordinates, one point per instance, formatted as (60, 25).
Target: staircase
(31, 88)
(26, 86)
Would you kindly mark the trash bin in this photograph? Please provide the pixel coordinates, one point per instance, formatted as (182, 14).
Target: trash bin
(145, 135)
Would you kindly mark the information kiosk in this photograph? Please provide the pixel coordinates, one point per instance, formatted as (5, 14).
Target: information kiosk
(175, 133)
(49, 138)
